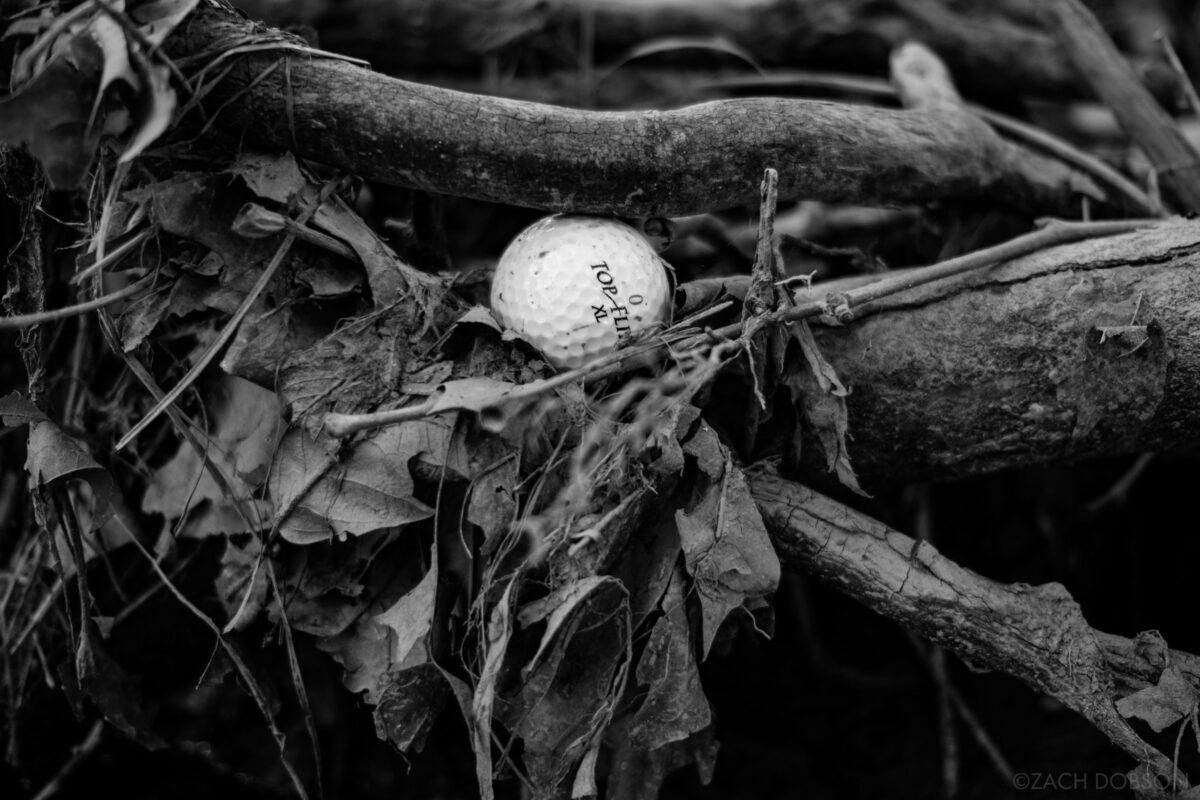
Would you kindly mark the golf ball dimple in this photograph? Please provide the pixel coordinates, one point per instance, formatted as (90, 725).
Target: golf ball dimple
(577, 287)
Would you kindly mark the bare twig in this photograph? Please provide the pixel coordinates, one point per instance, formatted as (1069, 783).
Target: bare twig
(55, 315)
(78, 754)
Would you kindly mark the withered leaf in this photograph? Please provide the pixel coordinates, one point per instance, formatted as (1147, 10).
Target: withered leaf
(573, 680)
(726, 548)
(820, 399)
(675, 706)
(408, 621)
(371, 490)
(246, 423)
(1162, 705)
(54, 458)
(409, 705)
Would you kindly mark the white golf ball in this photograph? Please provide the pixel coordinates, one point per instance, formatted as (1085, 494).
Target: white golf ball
(577, 287)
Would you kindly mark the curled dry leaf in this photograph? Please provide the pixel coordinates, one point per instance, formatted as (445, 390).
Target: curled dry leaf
(820, 399)
(573, 681)
(54, 458)
(675, 706)
(371, 490)
(725, 544)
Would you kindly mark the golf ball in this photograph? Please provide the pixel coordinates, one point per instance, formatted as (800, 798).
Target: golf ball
(577, 287)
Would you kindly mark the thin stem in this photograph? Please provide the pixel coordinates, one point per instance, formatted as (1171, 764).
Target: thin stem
(57, 314)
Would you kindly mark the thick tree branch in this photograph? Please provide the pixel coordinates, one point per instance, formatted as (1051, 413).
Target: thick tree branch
(637, 163)
(1035, 633)
(1077, 351)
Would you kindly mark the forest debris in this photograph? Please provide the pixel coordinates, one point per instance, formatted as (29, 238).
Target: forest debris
(410, 705)
(675, 707)
(245, 426)
(559, 711)
(410, 618)
(725, 546)
(372, 489)
(55, 458)
(63, 81)
(1175, 161)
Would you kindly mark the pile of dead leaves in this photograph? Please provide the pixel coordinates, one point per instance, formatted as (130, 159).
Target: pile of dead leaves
(553, 570)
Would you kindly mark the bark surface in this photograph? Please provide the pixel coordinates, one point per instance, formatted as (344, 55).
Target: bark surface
(637, 163)
(1077, 351)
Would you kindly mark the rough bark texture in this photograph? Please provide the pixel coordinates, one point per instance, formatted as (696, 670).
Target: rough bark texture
(991, 50)
(637, 163)
(1082, 350)
(1035, 633)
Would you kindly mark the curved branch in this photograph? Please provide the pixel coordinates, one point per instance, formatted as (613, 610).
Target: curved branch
(1035, 633)
(636, 163)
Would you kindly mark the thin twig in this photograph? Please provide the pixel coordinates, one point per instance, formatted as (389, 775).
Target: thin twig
(78, 754)
(58, 314)
(1185, 81)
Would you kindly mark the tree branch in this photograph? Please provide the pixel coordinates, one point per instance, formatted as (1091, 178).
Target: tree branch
(1035, 633)
(637, 163)
(1077, 351)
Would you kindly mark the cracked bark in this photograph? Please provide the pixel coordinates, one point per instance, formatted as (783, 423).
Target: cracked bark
(1035, 633)
(635, 163)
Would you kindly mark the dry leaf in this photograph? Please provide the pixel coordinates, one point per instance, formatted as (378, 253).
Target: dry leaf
(53, 458)
(370, 490)
(675, 706)
(1162, 705)
(725, 544)
(572, 682)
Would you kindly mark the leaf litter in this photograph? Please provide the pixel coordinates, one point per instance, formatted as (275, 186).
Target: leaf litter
(585, 517)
